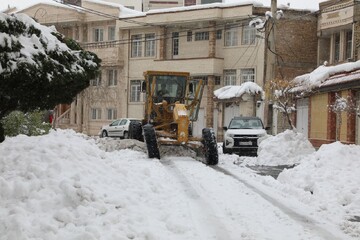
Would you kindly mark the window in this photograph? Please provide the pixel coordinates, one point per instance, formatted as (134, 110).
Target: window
(348, 46)
(112, 77)
(96, 113)
(111, 33)
(96, 81)
(175, 43)
(136, 47)
(150, 45)
(98, 35)
(336, 47)
(201, 36)
(135, 90)
(111, 113)
(248, 35)
(230, 77)
(217, 80)
(231, 36)
(189, 36)
(218, 34)
(247, 75)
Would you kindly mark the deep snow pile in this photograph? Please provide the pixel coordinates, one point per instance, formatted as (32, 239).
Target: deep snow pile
(286, 148)
(62, 186)
(330, 179)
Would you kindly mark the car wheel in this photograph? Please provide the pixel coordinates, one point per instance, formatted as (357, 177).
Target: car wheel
(104, 134)
(225, 150)
(126, 135)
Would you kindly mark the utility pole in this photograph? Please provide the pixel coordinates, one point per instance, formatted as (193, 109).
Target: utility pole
(270, 65)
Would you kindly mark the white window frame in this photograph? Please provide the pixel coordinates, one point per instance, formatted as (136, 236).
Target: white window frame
(112, 77)
(136, 45)
(96, 81)
(98, 34)
(247, 75)
(111, 113)
(111, 33)
(248, 35)
(348, 44)
(150, 45)
(175, 43)
(135, 90)
(95, 113)
(201, 36)
(229, 77)
(231, 37)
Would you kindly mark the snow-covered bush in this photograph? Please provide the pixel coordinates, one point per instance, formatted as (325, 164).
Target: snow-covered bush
(30, 124)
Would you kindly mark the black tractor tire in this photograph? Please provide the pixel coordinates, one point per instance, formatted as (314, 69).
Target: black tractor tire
(135, 131)
(151, 141)
(210, 146)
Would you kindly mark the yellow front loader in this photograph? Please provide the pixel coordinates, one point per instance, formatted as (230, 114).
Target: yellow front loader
(172, 104)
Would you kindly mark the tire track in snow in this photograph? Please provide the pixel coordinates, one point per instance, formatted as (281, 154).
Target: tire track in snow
(305, 221)
(204, 217)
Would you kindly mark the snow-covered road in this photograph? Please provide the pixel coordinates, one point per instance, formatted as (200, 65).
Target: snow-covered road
(66, 185)
(227, 207)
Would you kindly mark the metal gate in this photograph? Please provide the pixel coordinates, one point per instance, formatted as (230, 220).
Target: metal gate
(302, 116)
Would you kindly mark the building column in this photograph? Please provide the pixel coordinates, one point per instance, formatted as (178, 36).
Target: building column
(212, 39)
(210, 101)
(72, 112)
(162, 43)
(356, 39)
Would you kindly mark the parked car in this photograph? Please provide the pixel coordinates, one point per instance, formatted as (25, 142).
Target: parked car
(118, 128)
(242, 135)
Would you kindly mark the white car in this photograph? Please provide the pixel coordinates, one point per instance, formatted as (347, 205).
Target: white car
(242, 135)
(118, 128)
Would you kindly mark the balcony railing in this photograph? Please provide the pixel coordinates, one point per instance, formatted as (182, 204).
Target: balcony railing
(108, 44)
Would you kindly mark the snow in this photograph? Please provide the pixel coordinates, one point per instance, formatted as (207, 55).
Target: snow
(23, 4)
(321, 74)
(286, 148)
(32, 45)
(66, 185)
(228, 92)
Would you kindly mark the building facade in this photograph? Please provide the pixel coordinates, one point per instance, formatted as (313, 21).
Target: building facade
(214, 43)
(338, 46)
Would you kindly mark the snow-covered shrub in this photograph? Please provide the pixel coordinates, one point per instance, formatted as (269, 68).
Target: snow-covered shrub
(30, 124)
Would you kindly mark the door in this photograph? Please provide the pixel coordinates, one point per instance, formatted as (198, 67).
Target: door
(121, 128)
(302, 116)
(231, 111)
(113, 128)
(199, 124)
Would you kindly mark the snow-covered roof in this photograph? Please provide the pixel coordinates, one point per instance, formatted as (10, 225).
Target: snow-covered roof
(19, 5)
(230, 92)
(321, 75)
(196, 7)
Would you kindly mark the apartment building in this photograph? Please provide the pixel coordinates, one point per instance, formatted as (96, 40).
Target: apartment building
(338, 46)
(214, 43)
(161, 4)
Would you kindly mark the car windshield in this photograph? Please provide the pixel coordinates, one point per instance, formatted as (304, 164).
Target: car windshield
(245, 124)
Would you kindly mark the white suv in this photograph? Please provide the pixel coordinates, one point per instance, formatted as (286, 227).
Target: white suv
(118, 128)
(242, 135)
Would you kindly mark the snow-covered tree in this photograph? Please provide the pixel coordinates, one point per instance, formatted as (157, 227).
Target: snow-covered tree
(39, 67)
(283, 98)
(342, 105)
